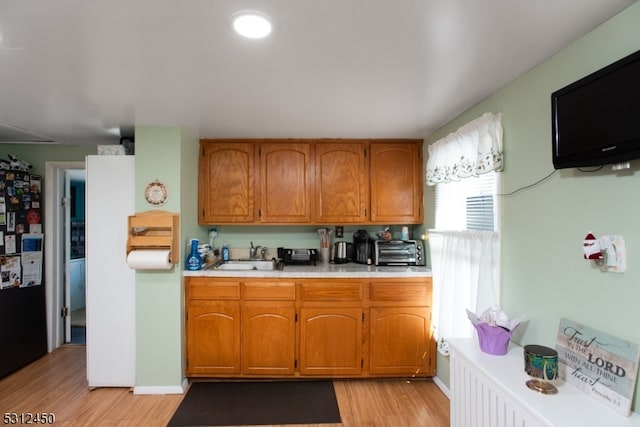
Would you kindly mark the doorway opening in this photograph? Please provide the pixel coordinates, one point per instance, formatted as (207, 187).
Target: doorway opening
(65, 267)
(75, 274)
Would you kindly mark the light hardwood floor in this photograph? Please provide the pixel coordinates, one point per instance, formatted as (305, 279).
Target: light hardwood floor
(57, 384)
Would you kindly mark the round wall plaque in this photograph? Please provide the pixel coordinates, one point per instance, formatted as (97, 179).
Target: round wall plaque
(156, 193)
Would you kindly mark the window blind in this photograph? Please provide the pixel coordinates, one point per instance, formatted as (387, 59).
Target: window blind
(468, 204)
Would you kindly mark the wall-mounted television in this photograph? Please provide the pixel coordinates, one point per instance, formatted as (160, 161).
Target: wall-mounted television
(596, 120)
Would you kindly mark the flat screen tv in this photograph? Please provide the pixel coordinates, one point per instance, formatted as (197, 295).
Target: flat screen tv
(596, 120)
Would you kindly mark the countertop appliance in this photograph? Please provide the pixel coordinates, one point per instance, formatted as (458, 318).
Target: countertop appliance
(298, 256)
(362, 247)
(342, 252)
(399, 252)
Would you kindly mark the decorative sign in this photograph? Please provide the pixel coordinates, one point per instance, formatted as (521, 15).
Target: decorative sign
(601, 365)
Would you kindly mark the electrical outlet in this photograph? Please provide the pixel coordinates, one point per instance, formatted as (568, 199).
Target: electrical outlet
(213, 233)
(443, 347)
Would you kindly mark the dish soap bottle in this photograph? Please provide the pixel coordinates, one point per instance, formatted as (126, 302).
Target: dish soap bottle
(225, 253)
(194, 262)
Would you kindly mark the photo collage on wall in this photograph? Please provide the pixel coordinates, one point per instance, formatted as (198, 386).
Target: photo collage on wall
(21, 234)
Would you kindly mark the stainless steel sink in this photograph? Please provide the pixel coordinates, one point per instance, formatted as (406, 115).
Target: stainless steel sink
(248, 264)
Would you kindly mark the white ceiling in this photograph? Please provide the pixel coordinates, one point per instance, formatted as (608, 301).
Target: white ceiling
(332, 68)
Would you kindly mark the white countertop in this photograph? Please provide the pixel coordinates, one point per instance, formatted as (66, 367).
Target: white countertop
(321, 270)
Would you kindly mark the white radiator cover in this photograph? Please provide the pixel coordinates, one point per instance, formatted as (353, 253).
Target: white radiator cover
(488, 391)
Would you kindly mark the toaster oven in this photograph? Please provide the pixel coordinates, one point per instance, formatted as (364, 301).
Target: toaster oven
(298, 256)
(399, 252)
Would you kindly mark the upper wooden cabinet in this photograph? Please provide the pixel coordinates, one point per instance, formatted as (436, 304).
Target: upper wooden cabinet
(342, 189)
(226, 192)
(285, 182)
(310, 181)
(396, 183)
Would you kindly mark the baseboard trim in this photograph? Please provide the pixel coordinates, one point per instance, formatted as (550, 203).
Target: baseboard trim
(442, 387)
(162, 389)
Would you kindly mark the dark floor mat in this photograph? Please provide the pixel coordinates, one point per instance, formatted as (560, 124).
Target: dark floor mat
(257, 403)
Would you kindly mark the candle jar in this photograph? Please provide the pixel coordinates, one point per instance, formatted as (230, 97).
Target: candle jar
(541, 363)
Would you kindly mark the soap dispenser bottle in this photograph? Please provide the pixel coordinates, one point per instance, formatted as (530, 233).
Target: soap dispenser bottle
(225, 253)
(194, 262)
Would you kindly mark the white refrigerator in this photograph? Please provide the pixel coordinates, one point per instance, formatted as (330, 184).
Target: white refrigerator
(110, 283)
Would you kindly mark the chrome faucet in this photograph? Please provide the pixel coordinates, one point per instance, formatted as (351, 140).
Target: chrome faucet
(253, 250)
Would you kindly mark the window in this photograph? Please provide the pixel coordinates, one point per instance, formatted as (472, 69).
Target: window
(468, 204)
(465, 244)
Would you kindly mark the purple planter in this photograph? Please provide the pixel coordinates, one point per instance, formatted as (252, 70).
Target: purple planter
(493, 339)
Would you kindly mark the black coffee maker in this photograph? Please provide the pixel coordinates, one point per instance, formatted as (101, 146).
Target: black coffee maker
(362, 247)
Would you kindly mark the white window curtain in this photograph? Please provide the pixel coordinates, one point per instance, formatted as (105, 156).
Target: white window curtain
(473, 149)
(465, 263)
(464, 266)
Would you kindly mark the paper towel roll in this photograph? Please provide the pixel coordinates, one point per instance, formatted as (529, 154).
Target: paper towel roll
(149, 259)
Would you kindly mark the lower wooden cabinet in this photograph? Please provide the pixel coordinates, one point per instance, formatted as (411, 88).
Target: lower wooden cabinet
(309, 328)
(331, 341)
(213, 338)
(236, 328)
(400, 339)
(268, 339)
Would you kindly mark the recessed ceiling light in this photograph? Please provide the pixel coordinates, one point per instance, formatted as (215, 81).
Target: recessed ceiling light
(4, 39)
(6, 43)
(254, 25)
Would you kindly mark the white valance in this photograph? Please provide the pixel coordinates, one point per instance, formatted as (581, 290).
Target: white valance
(473, 149)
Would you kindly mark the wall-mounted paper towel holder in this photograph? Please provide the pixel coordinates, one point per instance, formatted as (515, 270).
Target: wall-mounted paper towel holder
(155, 229)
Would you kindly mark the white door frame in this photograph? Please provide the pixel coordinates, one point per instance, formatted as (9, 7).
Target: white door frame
(54, 249)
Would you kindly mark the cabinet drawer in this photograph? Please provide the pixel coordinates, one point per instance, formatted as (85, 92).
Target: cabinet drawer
(331, 291)
(269, 291)
(204, 288)
(400, 291)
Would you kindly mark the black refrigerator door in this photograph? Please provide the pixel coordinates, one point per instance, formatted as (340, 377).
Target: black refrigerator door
(23, 331)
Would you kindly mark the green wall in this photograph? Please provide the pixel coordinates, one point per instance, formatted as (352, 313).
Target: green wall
(290, 236)
(544, 276)
(38, 154)
(166, 154)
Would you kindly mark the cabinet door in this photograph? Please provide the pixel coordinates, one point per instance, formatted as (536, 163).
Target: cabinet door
(268, 339)
(341, 190)
(330, 341)
(285, 183)
(226, 182)
(213, 338)
(396, 183)
(400, 341)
